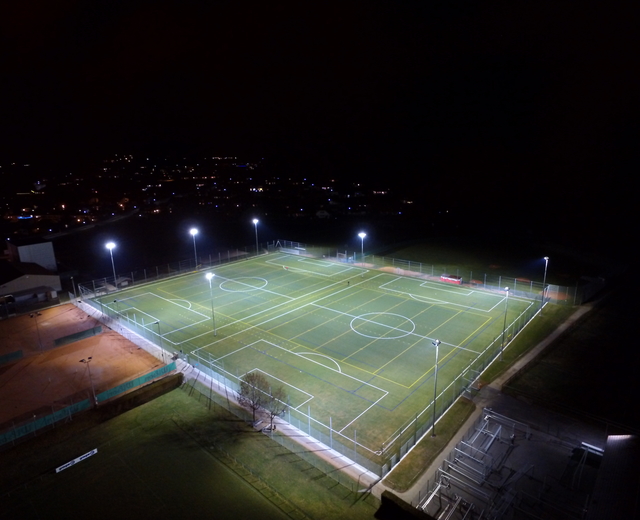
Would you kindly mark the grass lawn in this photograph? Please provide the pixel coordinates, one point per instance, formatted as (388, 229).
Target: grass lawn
(170, 458)
(351, 347)
(426, 451)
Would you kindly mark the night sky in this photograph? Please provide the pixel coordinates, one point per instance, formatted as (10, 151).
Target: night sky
(525, 106)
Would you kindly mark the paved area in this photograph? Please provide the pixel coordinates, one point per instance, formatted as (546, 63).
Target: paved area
(483, 468)
(558, 435)
(540, 453)
(47, 377)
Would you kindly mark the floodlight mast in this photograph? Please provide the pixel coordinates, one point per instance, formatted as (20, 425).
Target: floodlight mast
(210, 276)
(436, 343)
(504, 326)
(255, 224)
(194, 232)
(110, 246)
(544, 283)
(362, 235)
(160, 341)
(93, 390)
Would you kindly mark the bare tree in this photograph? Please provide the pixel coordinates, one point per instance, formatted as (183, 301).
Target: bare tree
(254, 392)
(276, 403)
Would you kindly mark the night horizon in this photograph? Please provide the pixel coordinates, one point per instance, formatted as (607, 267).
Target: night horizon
(455, 183)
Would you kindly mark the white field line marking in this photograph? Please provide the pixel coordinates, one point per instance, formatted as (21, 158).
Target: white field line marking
(439, 287)
(173, 302)
(321, 355)
(258, 325)
(361, 414)
(365, 383)
(188, 306)
(311, 396)
(395, 328)
(204, 319)
(251, 286)
(419, 283)
(327, 264)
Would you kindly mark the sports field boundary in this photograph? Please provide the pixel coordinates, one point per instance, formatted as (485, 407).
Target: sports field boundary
(378, 458)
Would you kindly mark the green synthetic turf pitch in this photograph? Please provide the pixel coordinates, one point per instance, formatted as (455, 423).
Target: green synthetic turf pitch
(352, 346)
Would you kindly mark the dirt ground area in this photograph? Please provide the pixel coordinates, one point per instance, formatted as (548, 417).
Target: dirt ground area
(47, 377)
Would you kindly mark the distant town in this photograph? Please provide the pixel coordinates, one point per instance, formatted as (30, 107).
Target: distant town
(48, 205)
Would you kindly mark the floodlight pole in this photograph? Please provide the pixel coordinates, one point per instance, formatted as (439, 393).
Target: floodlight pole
(362, 235)
(255, 224)
(35, 315)
(544, 282)
(436, 343)
(93, 390)
(110, 247)
(194, 232)
(504, 326)
(210, 276)
(160, 341)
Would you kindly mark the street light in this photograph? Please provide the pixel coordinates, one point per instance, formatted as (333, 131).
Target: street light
(544, 282)
(436, 343)
(255, 224)
(210, 277)
(504, 326)
(194, 232)
(110, 246)
(93, 390)
(362, 235)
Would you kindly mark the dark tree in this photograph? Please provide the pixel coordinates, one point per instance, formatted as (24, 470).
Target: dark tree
(254, 392)
(276, 403)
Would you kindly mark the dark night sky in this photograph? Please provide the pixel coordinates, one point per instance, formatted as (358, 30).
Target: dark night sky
(531, 103)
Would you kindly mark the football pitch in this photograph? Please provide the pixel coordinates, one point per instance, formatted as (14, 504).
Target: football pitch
(353, 348)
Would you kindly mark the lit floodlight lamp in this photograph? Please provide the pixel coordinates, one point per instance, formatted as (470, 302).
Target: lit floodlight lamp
(194, 232)
(362, 235)
(255, 224)
(110, 246)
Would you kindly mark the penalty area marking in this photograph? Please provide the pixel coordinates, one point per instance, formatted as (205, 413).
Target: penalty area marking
(188, 306)
(321, 355)
(310, 396)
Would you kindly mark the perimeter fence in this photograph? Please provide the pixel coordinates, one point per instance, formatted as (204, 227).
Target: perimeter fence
(378, 460)
(558, 294)
(63, 411)
(213, 386)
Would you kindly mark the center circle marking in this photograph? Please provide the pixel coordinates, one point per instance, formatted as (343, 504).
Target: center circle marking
(243, 284)
(390, 331)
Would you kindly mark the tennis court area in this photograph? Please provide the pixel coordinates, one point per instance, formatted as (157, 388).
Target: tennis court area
(354, 348)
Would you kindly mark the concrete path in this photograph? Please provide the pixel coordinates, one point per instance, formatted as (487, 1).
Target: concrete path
(491, 396)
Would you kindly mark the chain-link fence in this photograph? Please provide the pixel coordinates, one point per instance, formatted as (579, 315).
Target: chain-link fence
(379, 461)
